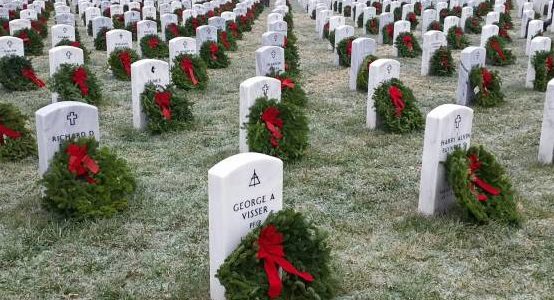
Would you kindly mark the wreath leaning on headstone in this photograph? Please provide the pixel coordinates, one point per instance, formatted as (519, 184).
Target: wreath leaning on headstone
(441, 63)
(378, 7)
(226, 40)
(76, 83)
(32, 42)
(344, 51)
(213, 55)
(396, 105)
(40, 28)
(407, 45)
(397, 13)
(372, 26)
(17, 74)
(292, 58)
(360, 21)
(486, 85)
(277, 128)
(100, 39)
(481, 186)
(173, 30)
(412, 18)
(543, 63)
(234, 30)
(165, 109)
(120, 61)
(363, 73)
(417, 8)
(286, 241)
(16, 140)
(435, 25)
(152, 46)
(189, 72)
(456, 38)
(118, 21)
(76, 44)
(85, 181)
(473, 24)
(497, 54)
(388, 34)
(326, 30)
(332, 39)
(291, 90)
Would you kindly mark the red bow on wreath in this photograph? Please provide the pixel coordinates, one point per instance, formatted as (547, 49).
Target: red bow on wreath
(349, 48)
(75, 44)
(163, 100)
(211, 14)
(153, 42)
(5, 131)
(234, 29)
(214, 49)
(271, 250)
(30, 74)
(125, 59)
(195, 23)
(274, 124)
(80, 77)
(25, 37)
(549, 64)
(487, 80)
(458, 32)
(474, 166)
(80, 164)
(188, 68)
(412, 17)
(6, 25)
(390, 30)
(243, 20)
(286, 83)
(495, 45)
(173, 29)
(407, 40)
(395, 95)
(285, 42)
(224, 40)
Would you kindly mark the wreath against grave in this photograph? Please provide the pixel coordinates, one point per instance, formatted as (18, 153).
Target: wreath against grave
(407, 45)
(173, 30)
(372, 26)
(189, 72)
(360, 21)
(76, 83)
(118, 22)
(292, 58)
(85, 181)
(483, 9)
(388, 34)
(89, 28)
(503, 33)
(234, 30)
(291, 91)
(120, 61)
(289, 18)
(4, 27)
(456, 11)
(378, 8)
(397, 13)
(486, 85)
(456, 38)
(286, 241)
(16, 140)
(417, 8)
(179, 13)
(508, 5)
(441, 63)
(32, 42)
(76, 44)
(344, 51)
(277, 128)
(106, 12)
(132, 27)
(481, 186)
(505, 21)
(332, 39)
(226, 41)
(473, 24)
(152, 46)
(100, 40)
(326, 30)
(244, 24)
(165, 109)
(348, 11)
(40, 28)
(396, 105)
(17, 74)
(435, 25)
(543, 63)
(412, 18)
(497, 54)
(445, 12)
(363, 73)
(213, 55)
(190, 26)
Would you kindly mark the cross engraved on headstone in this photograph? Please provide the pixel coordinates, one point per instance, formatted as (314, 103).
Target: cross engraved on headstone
(68, 54)
(457, 121)
(255, 180)
(121, 36)
(10, 43)
(64, 30)
(265, 89)
(72, 117)
(273, 54)
(389, 68)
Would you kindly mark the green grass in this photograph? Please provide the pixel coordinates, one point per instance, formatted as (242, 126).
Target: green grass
(359, 185)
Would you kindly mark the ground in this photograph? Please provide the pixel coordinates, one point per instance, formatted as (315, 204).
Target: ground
(360, 186)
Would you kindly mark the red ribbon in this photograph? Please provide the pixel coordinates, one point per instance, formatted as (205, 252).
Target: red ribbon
(474, 166)
(195, 23)
(30, 74)
(80, 77)
(211, 14)
(188, 68)
(25, 37)
(285, 42)
(163, 100)
(407, 40)
(214, 49)
(487, 80)
(234, 29)
(6, 25)
(243, 20)
(412, 17)
(286, 83)
(153, 43)
(495, 45)
(75, 44)
(224, 40)
(173, 29)
(271, 250)
(395, 95)
(549, 64)
(274, 124)
(390, 30)
(349, 48)
(80, 164)
(5, 131)
(458, 32)
(125, 59)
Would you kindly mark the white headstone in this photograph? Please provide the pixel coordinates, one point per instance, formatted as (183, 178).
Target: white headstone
(10, 45)
(369, 13)
(546, 145)
(432, 41)
(323, 17)
(146, 27)
(204, 34)
(341, 33)
(64, 55)
(487, 32)
(67, 19)
(440, 6)
(449, 22)
(399, 27)
(539, 43)
(361, 48)
(380, 71)
(90, 14)
(60, 32)
(29, 14)
(100, 22)
(274, 17)
(269, 59)
(181, 45)
(492, 17)
(19, 24)
(143, 72)
(217, 22)
(167, 19)
(466, 13)
(149, 12)
(273, 38)
(130, 17)
(279, 26)
(534, 28)
(428, 16)
(527, 16)
(384, 20)
(117, 39)
(116, 9)
(470, 57)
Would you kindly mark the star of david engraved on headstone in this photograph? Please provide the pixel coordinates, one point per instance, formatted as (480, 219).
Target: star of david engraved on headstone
(265, 89)
(458, 121)
(254, 180)
(68, 54)
(72, 118)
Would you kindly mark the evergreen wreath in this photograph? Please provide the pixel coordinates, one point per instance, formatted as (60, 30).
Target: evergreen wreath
(118, 21)
(332, 38)
(344, 51)
(16, 140)
(213, 55)
(152, 46)
(17, 74)
(132, 27)
(292, 58)
(445, 12)
(363, 73)
(417, 8)
(456, 11)
(486, 84)
(120, 61)
(503, 33)
(388, 34)
(40, 28)
(173, 30)
(397, 14)
(483, 9)
(190, 26)
(165, 109)
(234, 30)
(189, 72)
(442, 63)
(481, 186)
(244, 24)
(226, 41)
(100, 40)
(348, 11)
(76, 83)
(85, 181)
(396, 105)
(456, 38)
(76, 44)
(284, 235)
(497, 54)
(407, 45)
(435, 25)
(473, 24)
(4, 27)
(277, 128)
(360, 21)
(412, 18)
(326, 30)
(378, 8)
(508, 5)
(291, 91)
(372, 26)
(543, 63)
(32, 42)
(505, 21)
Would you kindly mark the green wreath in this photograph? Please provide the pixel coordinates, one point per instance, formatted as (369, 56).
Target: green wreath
(445, 12)
(277, 128)
(483, 9)
(435, 25)
(32, 42)
(473, 25)
(16, 140)
(456, 38)
(226, 41)
(363, 73)
(481, 186)
(360, 21)
(417, 8)
(189, 72)
(76, 44)
(292, 58)
(543, 63)
(244, 24)
(40, 28)
(332, 38)
(456, 11)
(388, 34)
(412, 18)
(378, 7)
(497, 54)
(80, 191)
(397, 13)
(234, 30)
(486, 84)
(305, 247)
(174, 30)
(289, 19)
(118, 21)
(70, 87)
(165, 109)
(503, 33)
(132, 27)
(442, 63)
(407, 45)
(505, 21)
(100, 40)
(17, 74)
(344, 51)
(120, 61)
(403, 117)
(326, 30)
(4, 27)
(291, 90)
(152, 46)
(372, 26)
(213, 55)
(190, 26)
